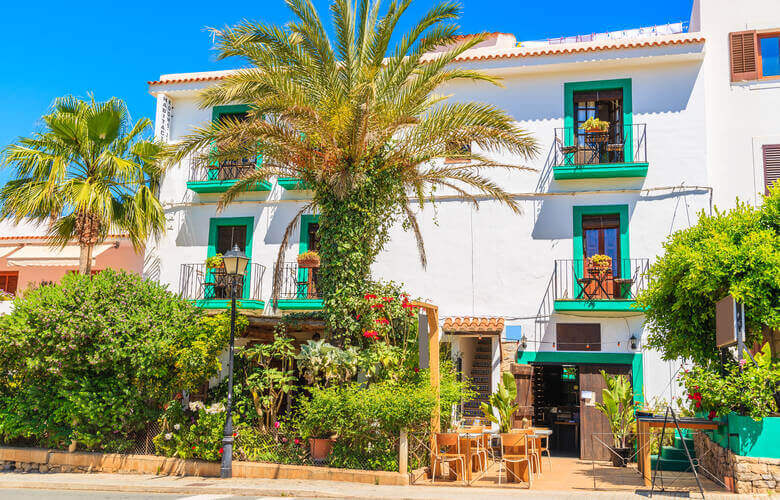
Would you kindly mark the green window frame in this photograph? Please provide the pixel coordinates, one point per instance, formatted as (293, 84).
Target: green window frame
(577, 252)
(303, 245)
(218, 111)
(628, 109)
(249, 223)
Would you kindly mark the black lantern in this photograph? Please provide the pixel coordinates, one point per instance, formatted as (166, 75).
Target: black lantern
(523, 341)
(235, 262)
(633, 341)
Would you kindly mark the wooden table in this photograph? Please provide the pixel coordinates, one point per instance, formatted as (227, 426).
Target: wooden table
(468, 444)
(644, 424)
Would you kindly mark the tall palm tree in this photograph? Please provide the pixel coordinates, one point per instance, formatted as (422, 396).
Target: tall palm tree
(359, 120)
(87, 173)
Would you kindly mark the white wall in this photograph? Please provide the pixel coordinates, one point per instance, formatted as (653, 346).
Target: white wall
(741, 116)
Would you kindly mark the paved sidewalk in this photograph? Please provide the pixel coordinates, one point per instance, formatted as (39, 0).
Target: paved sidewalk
(294, 488)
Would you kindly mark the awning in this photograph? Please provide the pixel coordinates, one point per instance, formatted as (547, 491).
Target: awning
(471, 324)
(43, 255)
(6, 250)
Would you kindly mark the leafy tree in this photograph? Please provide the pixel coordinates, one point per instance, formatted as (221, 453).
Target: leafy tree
(95, 359)
(358, 119)
(501, 405)
(86, 174)
(735, 252)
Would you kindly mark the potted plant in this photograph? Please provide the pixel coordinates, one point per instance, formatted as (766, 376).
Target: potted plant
(599, 263)
(502, 403)
(309, 259)
(618, 406)
(215, 262)
(594, 125)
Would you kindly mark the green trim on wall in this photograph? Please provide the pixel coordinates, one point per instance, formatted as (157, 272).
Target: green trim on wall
(303, 246)
(628, 109)
(292, 184)
(299, 304)
(249, 222)
(218, 111)
(579, 211)
(225, 304)
(601, 171)
(205, 187)
(590, 357)
(747, 437)
(597, 305)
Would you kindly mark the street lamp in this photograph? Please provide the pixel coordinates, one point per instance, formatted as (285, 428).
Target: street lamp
(235, 262)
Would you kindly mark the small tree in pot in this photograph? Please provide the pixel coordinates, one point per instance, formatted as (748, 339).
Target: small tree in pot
(618, 406)
(502, 403)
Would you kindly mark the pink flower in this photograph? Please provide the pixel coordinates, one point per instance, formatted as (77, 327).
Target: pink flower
(297, 441)
(277, 424)
(221, 451)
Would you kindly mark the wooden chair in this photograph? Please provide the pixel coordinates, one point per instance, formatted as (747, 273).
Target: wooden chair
(514, 449)
(447, 449)
(533, 450)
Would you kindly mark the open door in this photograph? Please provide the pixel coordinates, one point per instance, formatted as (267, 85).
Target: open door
(524, 375)
(592, 421)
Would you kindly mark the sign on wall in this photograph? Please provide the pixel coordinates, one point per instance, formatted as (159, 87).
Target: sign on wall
(729, 322)
(164, 117)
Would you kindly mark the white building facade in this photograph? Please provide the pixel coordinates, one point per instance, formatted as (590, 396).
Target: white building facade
(525, 279)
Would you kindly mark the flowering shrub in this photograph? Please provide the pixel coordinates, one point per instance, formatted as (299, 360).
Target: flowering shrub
(746, 388)
(195, 431)
(95, 358)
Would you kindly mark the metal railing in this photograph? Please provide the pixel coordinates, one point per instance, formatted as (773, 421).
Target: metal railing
(298, 282)
(576, 279)
(626, 144)
(196, 282)
(204, 170)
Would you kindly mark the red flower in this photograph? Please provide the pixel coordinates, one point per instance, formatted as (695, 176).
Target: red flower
(369, 296)
(377, 306)
(297, 441)
(235, 434)
(698, 404)
(712, 414)
(371, 334)
(382, 321)
(357, 317)
(697, 396)
(388, 299)
(193, 447)
(221, 451)
(416, 369)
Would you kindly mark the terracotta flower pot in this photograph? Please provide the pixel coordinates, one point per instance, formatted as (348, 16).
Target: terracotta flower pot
(308, 261)
(320, 448)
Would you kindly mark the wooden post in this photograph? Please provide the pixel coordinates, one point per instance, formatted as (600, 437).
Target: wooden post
(432, 312)
(403, 452)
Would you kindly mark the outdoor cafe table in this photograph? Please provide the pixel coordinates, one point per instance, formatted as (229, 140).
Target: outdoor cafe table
(644, 423)
(468, 444)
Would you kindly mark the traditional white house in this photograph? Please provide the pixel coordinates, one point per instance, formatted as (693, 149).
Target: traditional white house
(684, 131)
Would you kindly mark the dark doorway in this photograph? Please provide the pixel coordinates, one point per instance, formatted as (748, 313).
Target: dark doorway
(556, 405)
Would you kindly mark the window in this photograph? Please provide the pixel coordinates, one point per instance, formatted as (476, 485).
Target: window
(314, 240)
(9, 280)
(231, 168)
(754, 55)
(601, 235)
(227, 236)
(606, 105)
(771, 155)
(578, 337)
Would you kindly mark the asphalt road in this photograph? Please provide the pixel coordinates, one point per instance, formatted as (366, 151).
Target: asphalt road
(29, 494)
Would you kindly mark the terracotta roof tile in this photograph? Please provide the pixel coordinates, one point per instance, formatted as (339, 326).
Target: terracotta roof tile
(520, 52)
(39, 237)
(473, 324)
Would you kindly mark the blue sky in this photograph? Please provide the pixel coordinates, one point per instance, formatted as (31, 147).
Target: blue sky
(110, 48)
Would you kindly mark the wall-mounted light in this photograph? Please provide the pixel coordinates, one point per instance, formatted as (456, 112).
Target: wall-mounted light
(523, 342)
(633, 340)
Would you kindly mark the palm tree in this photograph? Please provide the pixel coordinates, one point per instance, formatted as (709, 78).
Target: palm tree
(359, 120)
(84, 175)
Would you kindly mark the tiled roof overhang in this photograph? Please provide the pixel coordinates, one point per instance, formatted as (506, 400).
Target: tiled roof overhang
(520, 52)
(471, 324)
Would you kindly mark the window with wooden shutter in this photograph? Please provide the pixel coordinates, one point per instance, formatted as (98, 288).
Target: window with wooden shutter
(771, 165)
(578, 336)
(9, 280)
(744, 58)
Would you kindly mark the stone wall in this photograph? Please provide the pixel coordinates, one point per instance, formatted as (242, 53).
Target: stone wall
(746, 474)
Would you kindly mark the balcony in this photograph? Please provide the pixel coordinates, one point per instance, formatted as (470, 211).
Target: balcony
(617, 152)
(210, 288)
(292, 184)
(577, 286)
(298, 288)
(210, 177)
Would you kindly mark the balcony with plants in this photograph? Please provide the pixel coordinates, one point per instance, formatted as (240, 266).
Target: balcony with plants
(598, 283)
(208, 176)
(298, 284)
(600, 149)
(208, 286)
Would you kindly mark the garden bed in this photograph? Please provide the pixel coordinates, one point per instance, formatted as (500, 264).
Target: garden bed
(43, 460)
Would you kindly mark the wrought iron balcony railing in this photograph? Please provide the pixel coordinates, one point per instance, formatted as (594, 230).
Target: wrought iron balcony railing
(298, 282)
(626, 144)
(196, 282)
(579, 280)
(203, 170)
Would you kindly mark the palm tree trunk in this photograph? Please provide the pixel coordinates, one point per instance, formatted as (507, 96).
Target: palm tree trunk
(85, 259)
